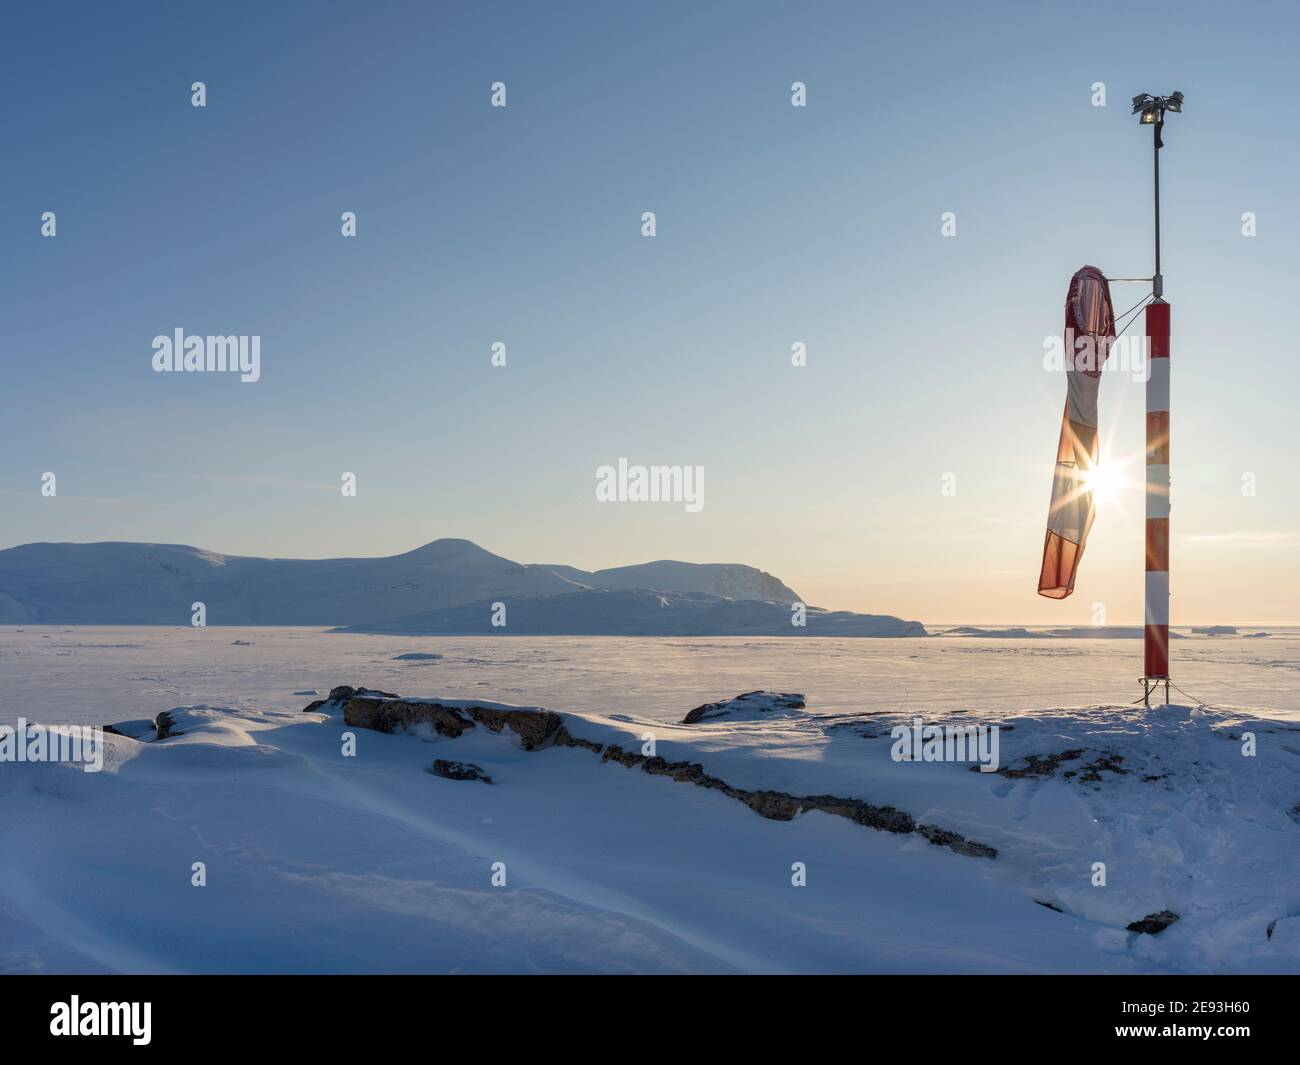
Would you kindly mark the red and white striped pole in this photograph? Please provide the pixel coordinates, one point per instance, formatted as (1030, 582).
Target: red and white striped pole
(1156, 646)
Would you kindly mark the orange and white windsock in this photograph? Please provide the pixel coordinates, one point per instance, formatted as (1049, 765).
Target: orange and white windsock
(1089, 333)
(1156, 648)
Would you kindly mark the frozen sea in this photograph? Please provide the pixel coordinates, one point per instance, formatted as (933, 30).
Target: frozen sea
(98, 675)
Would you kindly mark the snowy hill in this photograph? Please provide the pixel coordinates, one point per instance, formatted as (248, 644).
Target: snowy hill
(475, 836)
(724, 580)
(143, 584)
(444, 587)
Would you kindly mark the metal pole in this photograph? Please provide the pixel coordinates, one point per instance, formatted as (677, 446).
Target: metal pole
(1160, 121)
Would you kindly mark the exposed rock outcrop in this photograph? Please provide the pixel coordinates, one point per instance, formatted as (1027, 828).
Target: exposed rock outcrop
(143, 729)
(458, 770)
(146, 730)
(564, 738)
(538, 728)
(1154, 923)
(341, 695)
(535, 728)
(1036, 765)
(751, 706)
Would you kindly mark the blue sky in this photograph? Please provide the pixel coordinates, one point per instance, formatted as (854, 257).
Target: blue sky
(775, 225)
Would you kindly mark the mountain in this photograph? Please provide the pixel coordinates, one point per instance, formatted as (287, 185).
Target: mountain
(154, 584)
(446, 586)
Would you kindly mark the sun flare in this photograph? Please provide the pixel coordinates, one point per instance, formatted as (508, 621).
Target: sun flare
(1106, 481)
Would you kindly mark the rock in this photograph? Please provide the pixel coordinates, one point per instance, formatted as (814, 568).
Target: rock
(538, 728)
(955, 842)
(1037, 765)
(535, 728)
(163, 724)
(136, 729)
(398, 715)
(751, 706)
(458, 770)
(881, 818)
(683, 773)
(781, 806)
(774, 805)
(615, 753)
(1110, 762)
(341, 695)
(564, 738)
(1154, 923)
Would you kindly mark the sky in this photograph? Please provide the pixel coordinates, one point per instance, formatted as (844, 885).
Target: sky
(775, 225)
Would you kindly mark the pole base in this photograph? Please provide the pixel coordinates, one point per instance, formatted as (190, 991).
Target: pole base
(1151, 685)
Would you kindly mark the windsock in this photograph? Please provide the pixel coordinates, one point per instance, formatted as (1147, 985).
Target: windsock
(1089, 333)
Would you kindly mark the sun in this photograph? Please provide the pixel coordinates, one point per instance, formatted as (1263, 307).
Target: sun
(1106, 481)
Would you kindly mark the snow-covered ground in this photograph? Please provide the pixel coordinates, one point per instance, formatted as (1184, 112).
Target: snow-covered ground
(97, 674)
(320, 861)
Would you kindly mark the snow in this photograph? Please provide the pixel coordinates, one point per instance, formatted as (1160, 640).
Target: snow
(1075, 632)
(320, 862)
(725, 580)
(95, 675)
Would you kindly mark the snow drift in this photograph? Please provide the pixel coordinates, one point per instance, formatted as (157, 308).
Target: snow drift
(732, 845)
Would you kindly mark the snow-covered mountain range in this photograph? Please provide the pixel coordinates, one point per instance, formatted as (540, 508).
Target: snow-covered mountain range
(446, 587)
